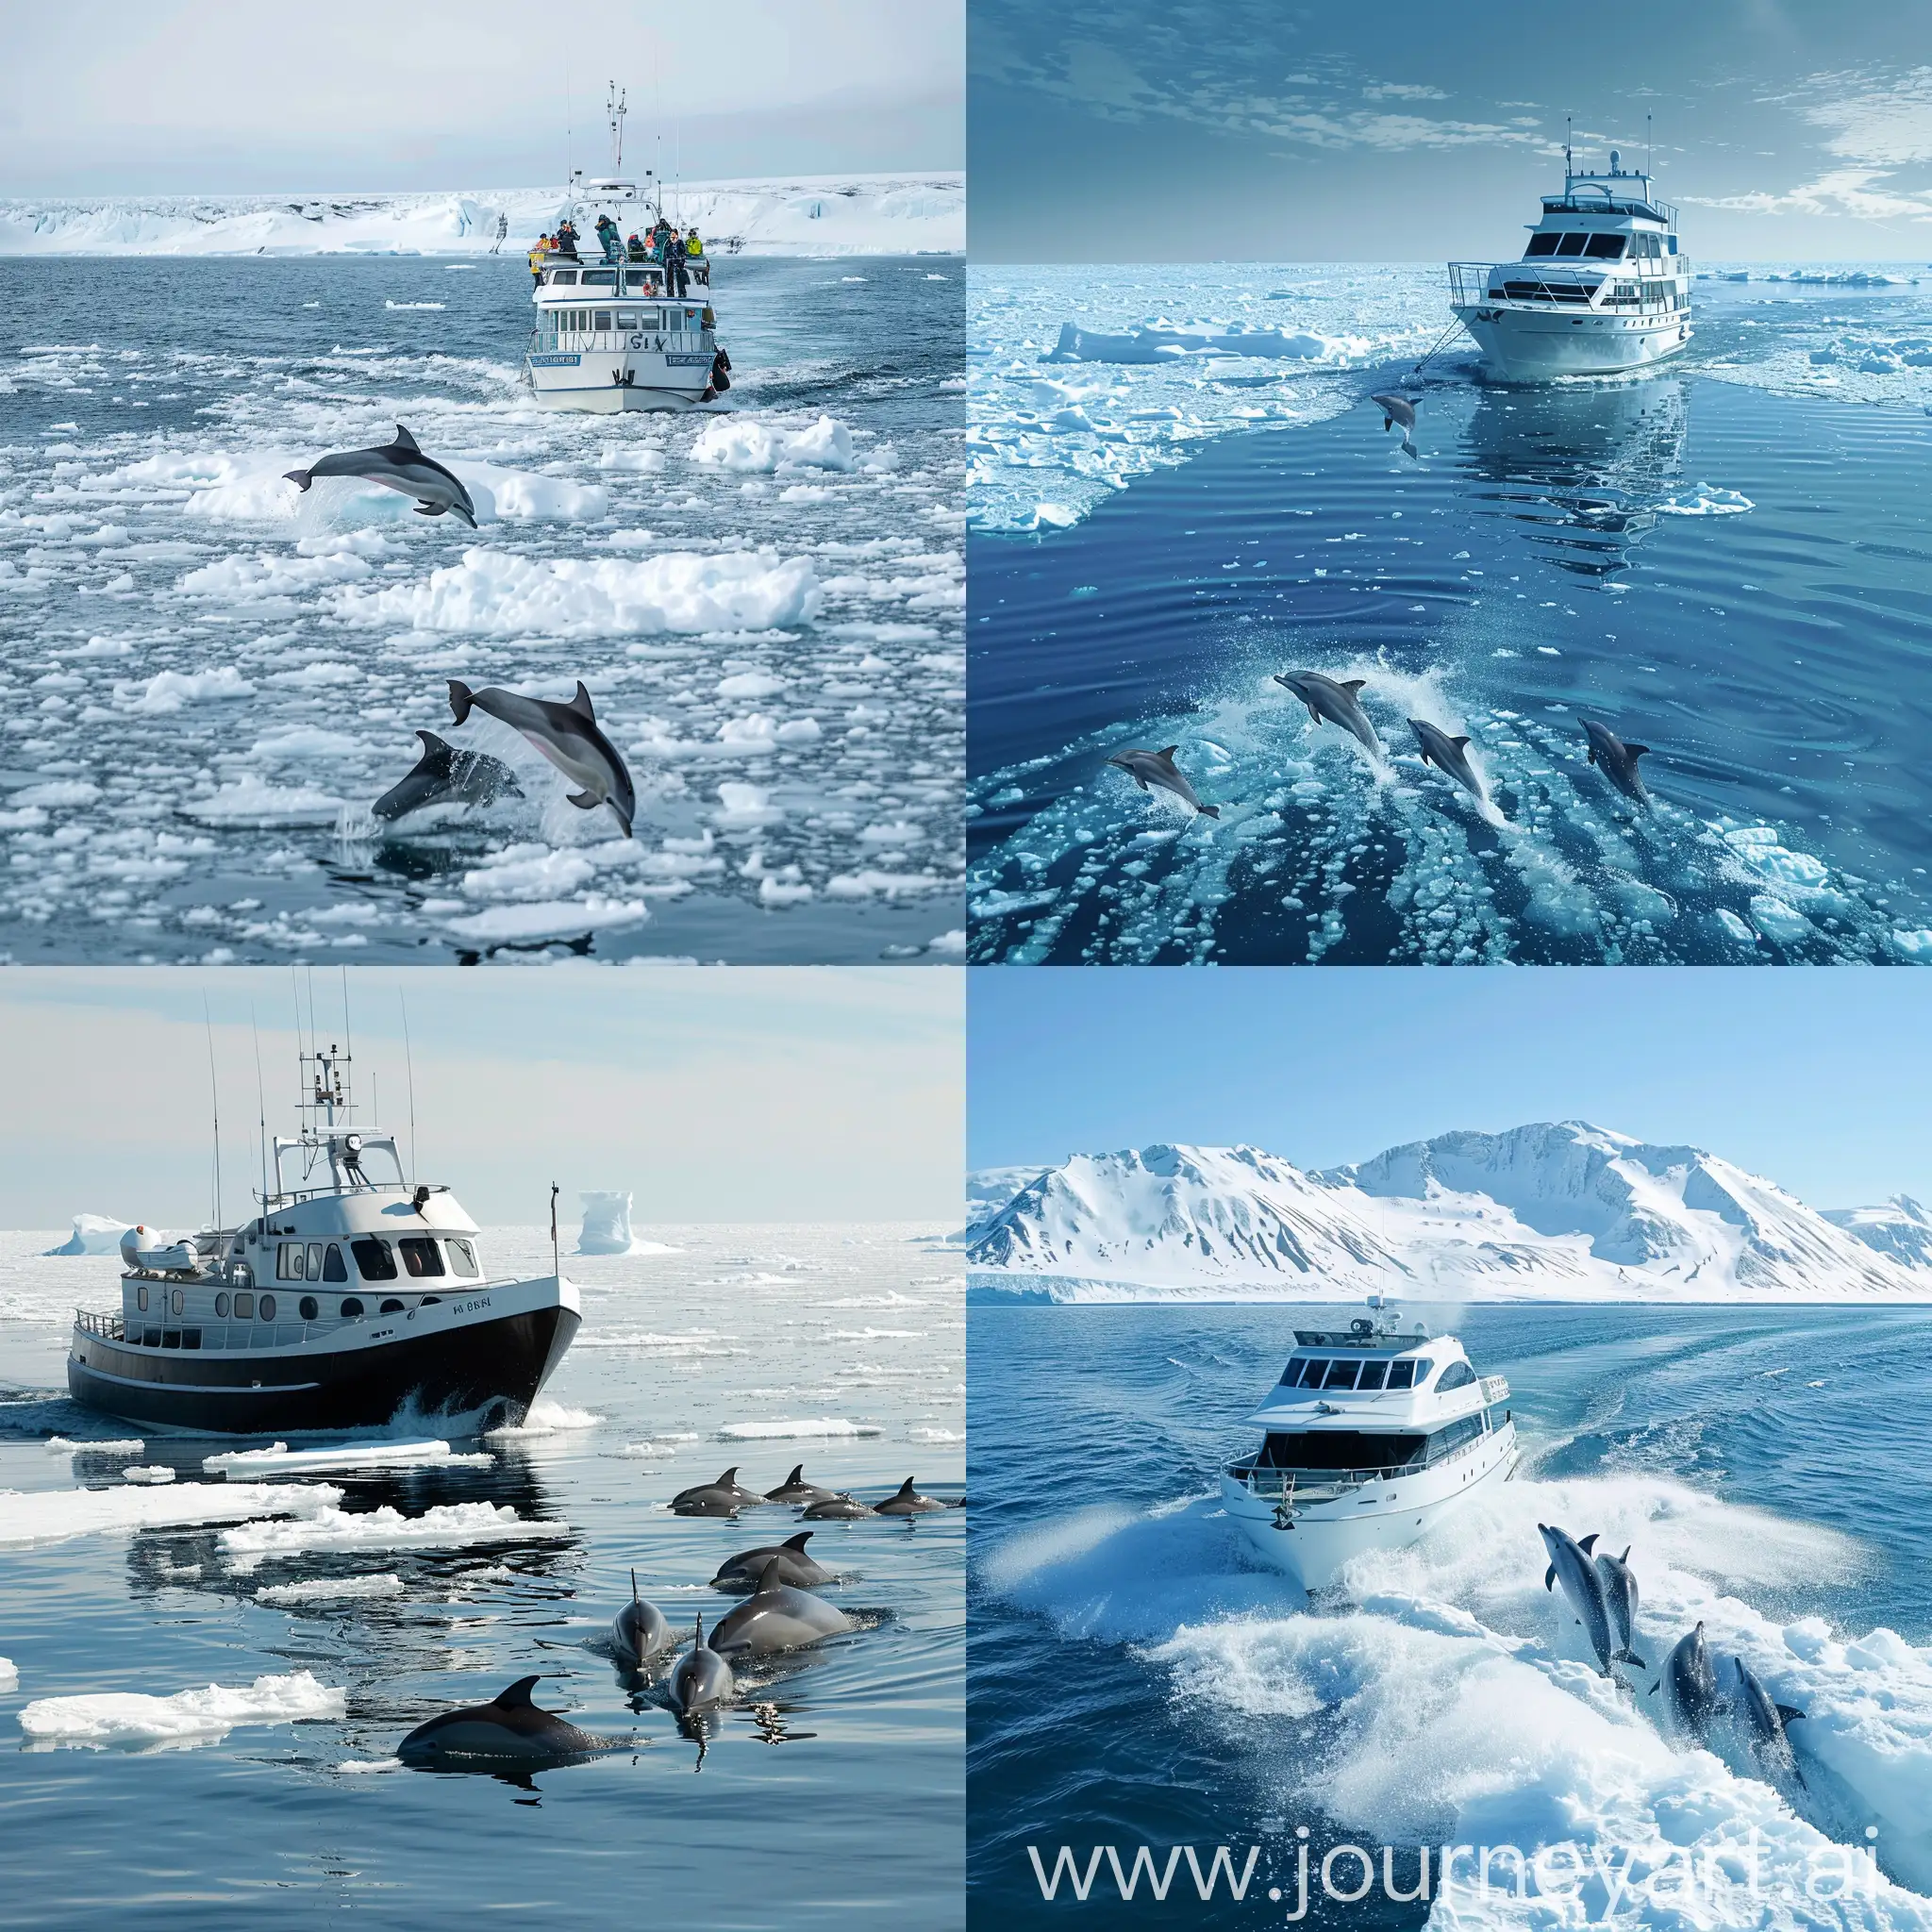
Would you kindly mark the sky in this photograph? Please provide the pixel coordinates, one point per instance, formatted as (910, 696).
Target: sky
(219, 97)
(739, 1094)
(1138, 130)
(1812, 1077)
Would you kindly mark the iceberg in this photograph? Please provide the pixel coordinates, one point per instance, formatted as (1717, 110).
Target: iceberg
(607, 1223)
(94, 1234)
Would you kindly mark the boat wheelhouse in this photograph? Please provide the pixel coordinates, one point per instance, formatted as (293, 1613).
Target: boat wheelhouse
(1376, 1432)
(354, 1299)
(1602, 286)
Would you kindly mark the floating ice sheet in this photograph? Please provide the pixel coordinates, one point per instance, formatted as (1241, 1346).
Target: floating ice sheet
(188, 1717)
(44, 1516)
(278, 1456)
(449, 1525)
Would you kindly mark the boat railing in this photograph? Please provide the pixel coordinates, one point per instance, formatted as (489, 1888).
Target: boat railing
(1313, 1484)
(672, 342)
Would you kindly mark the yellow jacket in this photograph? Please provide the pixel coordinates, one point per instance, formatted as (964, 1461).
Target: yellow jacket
(694, 246)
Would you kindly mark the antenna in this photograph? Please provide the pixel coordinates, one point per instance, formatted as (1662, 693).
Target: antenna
(409, 1060)
(214, 1101)
(1648, 160)
(555, 1264)
(348, 1038)
(260, 1106)
(1567, 169)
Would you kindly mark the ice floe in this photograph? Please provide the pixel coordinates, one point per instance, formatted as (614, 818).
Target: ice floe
(330, 1590)
(278, 1456)
(188, 1717)
(448, 1526)
(44, 1516)
(801, 1429)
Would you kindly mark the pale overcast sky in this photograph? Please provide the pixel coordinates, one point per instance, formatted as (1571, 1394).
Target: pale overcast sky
(739, 1094)
(214, 96)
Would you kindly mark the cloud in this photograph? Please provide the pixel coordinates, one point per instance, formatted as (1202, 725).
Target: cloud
(1395, 90)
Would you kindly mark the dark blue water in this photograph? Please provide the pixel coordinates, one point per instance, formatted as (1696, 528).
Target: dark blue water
(1133, 1680)
(1536, 567)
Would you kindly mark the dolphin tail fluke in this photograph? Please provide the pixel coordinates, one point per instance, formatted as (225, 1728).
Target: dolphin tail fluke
(1550, 1577)
(1587, 1542)
(460, 698)
(298, 478)
(1209, 811)
(1789, 1713)
(1630, 1656)
(1410, 450)
(518, 1695)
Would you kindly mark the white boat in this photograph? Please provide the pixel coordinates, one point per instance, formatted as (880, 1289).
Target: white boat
(1375, 1432)
(353, 1299)
(615, 329)
(1602, 286)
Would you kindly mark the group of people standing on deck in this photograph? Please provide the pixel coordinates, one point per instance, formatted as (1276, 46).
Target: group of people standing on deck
(664, 245)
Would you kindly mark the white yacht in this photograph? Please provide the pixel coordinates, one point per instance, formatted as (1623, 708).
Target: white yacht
(1375, 1432)
(1602, 286)
(616, 327)
(354, 1298)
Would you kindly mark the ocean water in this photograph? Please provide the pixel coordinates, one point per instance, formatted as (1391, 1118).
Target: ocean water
(831, 1791)
(1725, 560)
(1133, 1680)
(207, 678)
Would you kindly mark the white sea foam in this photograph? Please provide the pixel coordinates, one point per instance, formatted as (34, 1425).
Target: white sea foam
(43, 1516)
(188, 1717)
(780, 1431)
(331, 1590)
(278, 1456)
(547, 1418)
(354, 1766)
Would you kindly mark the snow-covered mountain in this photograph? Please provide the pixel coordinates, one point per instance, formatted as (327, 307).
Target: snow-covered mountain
(1558, 1211)
(868, 214)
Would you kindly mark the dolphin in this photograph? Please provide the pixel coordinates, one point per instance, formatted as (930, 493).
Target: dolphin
(1157, 768)
(725, 1497)
(1398, 409)
(742, 1572)
(1764, 1723)
(1620, 1596)
(446, 775)
(1616, 760)
(1334, 703)
(794, 1489)
(510, 1728)
(1450, 755)
(1690, 1687)
(777, 1616)
(839, 1509)
(700, 1679)
(908, 1502)
(567, 734)
(639, 1631)
(1582, 1587)
(398, 465)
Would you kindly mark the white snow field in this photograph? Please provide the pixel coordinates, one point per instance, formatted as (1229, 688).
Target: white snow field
(867, 214)
(1559, 1211)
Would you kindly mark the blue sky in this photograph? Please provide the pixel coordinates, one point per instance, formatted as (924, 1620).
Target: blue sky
(226, 96)
(1813, 1078)
(1135, 130)
(791, 1093)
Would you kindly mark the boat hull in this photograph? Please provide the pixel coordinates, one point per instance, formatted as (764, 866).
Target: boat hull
(485, 1371)
(1391, 1514)
(1535, 345)
(611, 382)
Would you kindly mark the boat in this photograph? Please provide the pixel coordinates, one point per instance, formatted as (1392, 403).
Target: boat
(609, 334)
(1375, 1433)
(353, 1299)
(1602, 286)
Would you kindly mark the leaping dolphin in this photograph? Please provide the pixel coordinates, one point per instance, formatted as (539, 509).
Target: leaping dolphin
(398, 465)
(1398, 409)
(447, 775)
(794, 1489)
(1582, 1587)
(1450, 755)
(725, 1497)
(509, 1729)
(639, 1631)
(567, 734)
(1334, 703)
(1616, 760)
(778, 1616)
(1157, 768)
(742, 1573)
(908, 1502)
(1764, 1723)
(700, 1679)
(1690, 1687)
(1620, 1598)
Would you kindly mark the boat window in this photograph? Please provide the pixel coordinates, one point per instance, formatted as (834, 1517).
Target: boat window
(564, 276)
(267, 1304)
(649, 318)
(176, 1299)
(374, 1261)
(1402, 1373)
(429, 1301)
(1442, 1442)
(244, 1307)
(1541, 244)
(315, 1261)
(1606, 247)
(626, 318)
(1339, 1449)
(420, 1255)
(222, 1307)
(141, 1298)
(1373, 1374)
(391, 1307)
(351, 1308)
(1456, 1375)
(308, 1308)
(1571, 244)
(332, 1269)
(462, 1259)
(289, 1260)
(600, 278)
(1291, 1376)
(1341, 1374)
(1670, 244)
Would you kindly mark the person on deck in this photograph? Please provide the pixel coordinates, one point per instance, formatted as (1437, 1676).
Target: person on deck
(539, 249)
(693, 246)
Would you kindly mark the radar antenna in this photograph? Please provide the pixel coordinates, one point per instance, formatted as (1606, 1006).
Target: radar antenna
(614, 110)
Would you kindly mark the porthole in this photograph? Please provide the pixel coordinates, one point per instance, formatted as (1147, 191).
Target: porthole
(391, 1307)
(352, 1307)
(310, 1308)
(268, 1307)
(222, 1304)
(178, 1300)
(141, 1299)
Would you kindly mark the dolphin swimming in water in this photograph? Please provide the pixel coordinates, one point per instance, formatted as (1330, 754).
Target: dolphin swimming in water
(908, 1502)
(1620, 1598)
(567, 734)
(639, 1631)
(1157, 768)
(794, 1489)
(700, 1679)
(509, 1729)
(1334, 703)
(725, 1497)
(777, 1616)
(742, 1572)
(398, 465)
(446, 775)
(839, 1509)
(1616, 760)
(1450, 755)
(1398, 409)
(1690, 1687)
(1582, 1587)
(1764, 1723)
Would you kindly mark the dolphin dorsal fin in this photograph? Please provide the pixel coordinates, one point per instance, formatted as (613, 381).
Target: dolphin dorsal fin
(698, 1642)
(1625, 1556)
(1167, 751)
(518, 1696)
(1353, 684)
(797, 1474)
(1636, 751)
(730, 1477)
(798, 1542)
(769, 1577)
(405, 441)
(1585, 1544)
(1460, 743)
(582, 702)
(906, 1488)
(1788, 1712)
(634, 1586)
